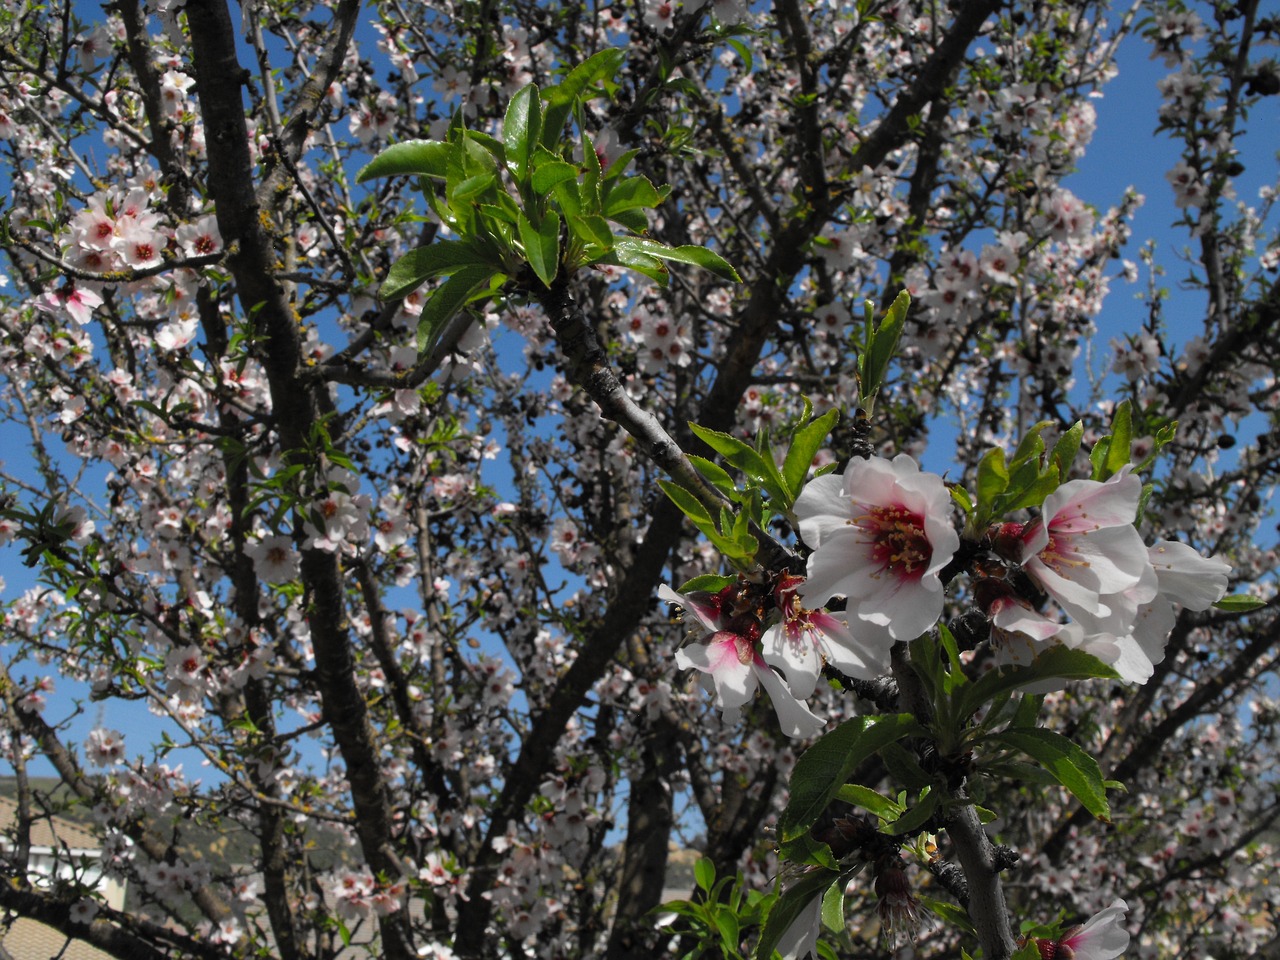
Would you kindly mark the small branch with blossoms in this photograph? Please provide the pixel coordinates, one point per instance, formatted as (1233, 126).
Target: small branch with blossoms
(1059, 587)
(120, 275)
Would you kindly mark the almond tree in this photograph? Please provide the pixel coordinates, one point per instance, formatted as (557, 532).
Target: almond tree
(381, 371)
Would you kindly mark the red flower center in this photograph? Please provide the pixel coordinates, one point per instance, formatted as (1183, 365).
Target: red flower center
(900, 544)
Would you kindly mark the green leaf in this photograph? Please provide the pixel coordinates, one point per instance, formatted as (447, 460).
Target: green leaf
(1058, 662)
(790, 905)
(949, 913)
(804, 850)
(882, 345)
(915, 817)
(423, 263)
(602, 66)
(628, 256)
(423, 158)
(707, 583)
(1030, 447)
(805, 444)
(689, 505)
(542, 245)
(825, 767)
(630, 194)
(961, 496)
(716, 475)
(870, 800)
(549, 174)
(1118, 454)
(592, 230)
(704, 873)
(833, 908)
(1069, 764)
(447, 299)
(993, 479)
(472, 187)
(695, 256)
(637, 221)
(743, 52)
(1065, 450)
(521, 129)
(748, 460)
(1239, 603)
(1022, 495)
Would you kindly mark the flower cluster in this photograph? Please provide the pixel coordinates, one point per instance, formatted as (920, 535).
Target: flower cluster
(884, 542)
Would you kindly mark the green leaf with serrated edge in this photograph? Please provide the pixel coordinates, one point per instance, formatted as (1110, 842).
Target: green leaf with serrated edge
(1069, 764)
(806, 851)
(1030, 447)
(569, 196)
(1098, 458)
(706, 583)
(591, 230)
(1028, 710)
(472, 187)
(423, 158)
(904, 767)
(928, 664)
(715, 474)
(1020, 771)
(1058, 662)
(1239, 603)
(447, 299)
(1030, 496)
(1144, 498)
(884, 344)
(743, 52)
(948, 913)
(542, 246)
(961, 497)
(1064, 452)
(629, 194)
(601, 66)
(791, 905)
(704, 873)
(833, 908)
(591, 172)
(637, 221)
(956, 676)
(522, 129)
(825, 766)
(1020, 479)
(728, 927)
(993, 478)
(694, 256)
(689, 505)
(1163, 437)
(618, 166)
(548, 174)
(915, 817)
(746, 459)
(554, 118)
(1119, 452)
(866, 798)
(632, 259)
(423, 263)
(805, 444)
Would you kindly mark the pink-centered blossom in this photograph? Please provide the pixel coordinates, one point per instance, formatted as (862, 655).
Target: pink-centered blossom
(803, 640)
(733, 667)
(1084, 552)
(1102, 937)
(881, 535)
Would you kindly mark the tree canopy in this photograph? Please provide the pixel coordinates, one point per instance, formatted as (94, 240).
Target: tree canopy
(515, 444)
